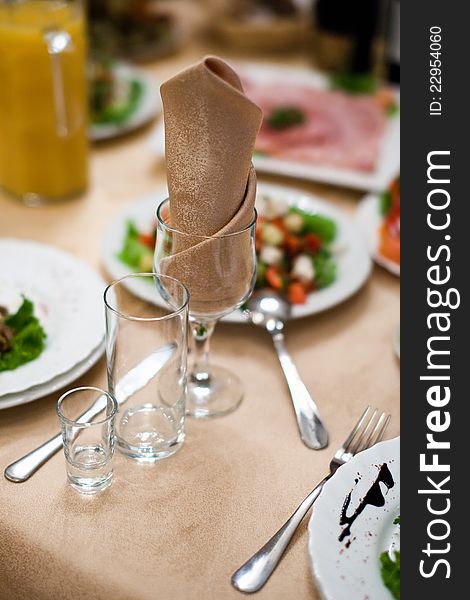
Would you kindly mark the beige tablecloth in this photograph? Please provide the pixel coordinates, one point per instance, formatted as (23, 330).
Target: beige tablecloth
(178, 529)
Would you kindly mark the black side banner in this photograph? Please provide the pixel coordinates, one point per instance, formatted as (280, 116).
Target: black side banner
(435, 329)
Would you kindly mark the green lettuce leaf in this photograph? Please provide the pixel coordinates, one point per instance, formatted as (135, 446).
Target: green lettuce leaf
(390, 571)
(325, 268)
(322, 226)
(28, 340)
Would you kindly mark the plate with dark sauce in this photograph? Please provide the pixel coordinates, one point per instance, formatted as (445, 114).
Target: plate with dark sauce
(354, 522)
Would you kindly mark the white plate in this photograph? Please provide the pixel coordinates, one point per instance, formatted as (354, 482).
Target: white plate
(68, 300)
(388, 163)
(350, 570)
(352, 258)
(369, 220)
(55, 384)
(148, 108)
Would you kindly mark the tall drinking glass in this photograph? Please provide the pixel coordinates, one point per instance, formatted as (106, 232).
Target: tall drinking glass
(43, 99)
(220, 273)
(146, 349)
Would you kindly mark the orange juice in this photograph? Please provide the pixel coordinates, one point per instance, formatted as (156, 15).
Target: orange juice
(43, 99)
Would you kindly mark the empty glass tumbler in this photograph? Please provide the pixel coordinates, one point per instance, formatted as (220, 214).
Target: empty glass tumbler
(146, 349)
(87, 417)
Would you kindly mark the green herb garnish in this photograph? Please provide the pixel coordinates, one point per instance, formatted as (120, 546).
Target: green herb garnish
(27, 341)
(284, 117)
(385, 203)
(354, 83)
(396, 521)
(390, 571)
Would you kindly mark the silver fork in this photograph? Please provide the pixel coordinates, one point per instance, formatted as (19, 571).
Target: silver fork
(252, 575)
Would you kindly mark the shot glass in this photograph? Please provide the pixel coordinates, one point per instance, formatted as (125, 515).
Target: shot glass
(87, 416)
(146, 350)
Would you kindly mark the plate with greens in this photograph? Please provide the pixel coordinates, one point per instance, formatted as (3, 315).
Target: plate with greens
(354, 530)
(55, 384)
(306, 248)
(121, 98)
(51, 315)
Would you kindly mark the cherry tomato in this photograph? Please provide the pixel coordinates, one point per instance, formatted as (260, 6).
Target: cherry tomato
(274, 278)
(296, 293)
(389, 244)
(279, 222)
(312, 242)
(147, 239)
(292, 245)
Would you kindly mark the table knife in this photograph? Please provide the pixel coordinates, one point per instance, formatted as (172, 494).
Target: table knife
(134, 380)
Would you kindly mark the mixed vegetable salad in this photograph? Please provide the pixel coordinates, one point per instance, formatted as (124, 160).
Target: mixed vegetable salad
(113, 99)
(138, 248)
(293, 247)
(22, 338)
(389, 245)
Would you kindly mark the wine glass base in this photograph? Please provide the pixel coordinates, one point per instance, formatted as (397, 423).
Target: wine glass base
(219, 395)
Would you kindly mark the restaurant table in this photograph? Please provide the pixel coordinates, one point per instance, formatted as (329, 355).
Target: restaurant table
(179, 528)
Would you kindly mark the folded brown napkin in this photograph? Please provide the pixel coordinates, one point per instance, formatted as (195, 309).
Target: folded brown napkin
(210, 132)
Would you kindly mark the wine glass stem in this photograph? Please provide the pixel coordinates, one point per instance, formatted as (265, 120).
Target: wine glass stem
(202, 332)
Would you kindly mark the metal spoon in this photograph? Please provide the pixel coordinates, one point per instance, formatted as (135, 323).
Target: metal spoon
(268, 309)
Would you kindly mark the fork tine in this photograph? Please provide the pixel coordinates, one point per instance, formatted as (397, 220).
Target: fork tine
(359, 441)
(373, 429)
(350, 437)
(368, 442)
(381, 431)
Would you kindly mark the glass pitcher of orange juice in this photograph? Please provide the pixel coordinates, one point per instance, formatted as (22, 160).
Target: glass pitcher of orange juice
(43, 99)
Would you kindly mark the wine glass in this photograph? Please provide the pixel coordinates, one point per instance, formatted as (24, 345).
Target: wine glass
(220, 272)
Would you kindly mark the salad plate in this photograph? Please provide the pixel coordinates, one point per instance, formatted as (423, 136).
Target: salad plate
(348, 558)
(146, 104)
(271, 86)
(67, 298)
(370, 220)
(55, 384)
(353, 263)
